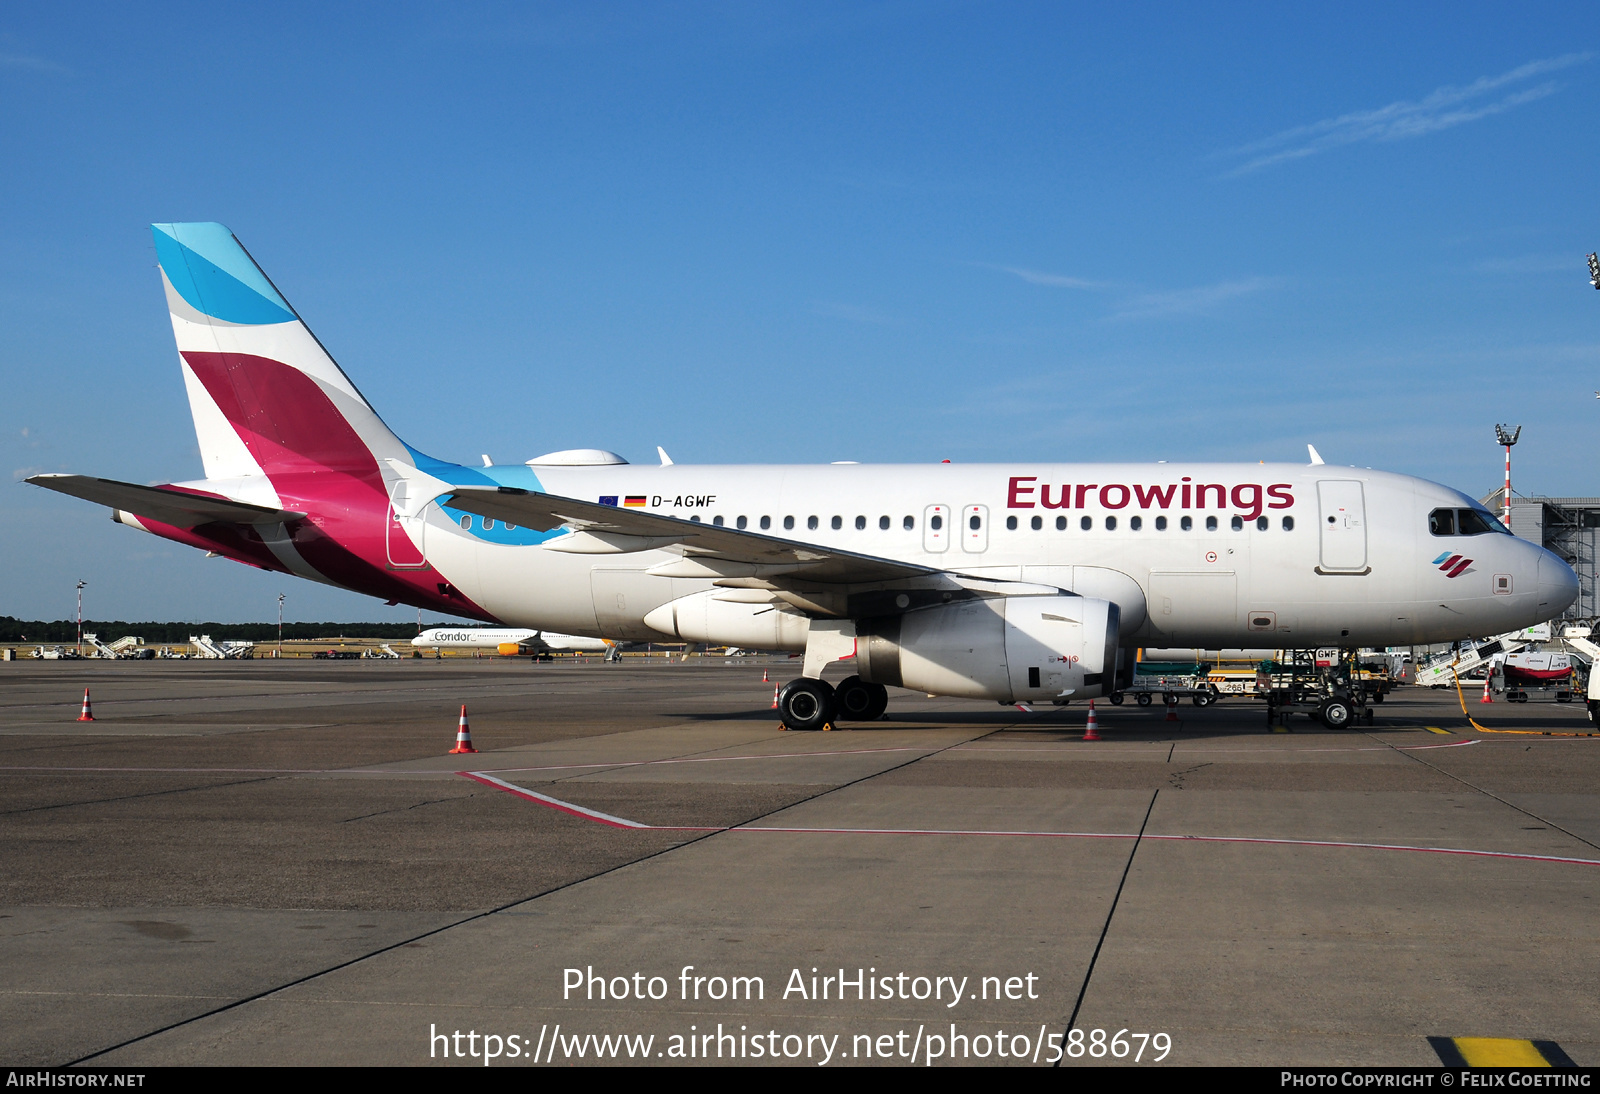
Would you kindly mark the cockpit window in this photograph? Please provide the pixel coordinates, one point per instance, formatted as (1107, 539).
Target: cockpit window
(1474, 522)
(1464, 522)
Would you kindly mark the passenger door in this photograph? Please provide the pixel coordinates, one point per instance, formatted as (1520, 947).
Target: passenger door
(1342, 518)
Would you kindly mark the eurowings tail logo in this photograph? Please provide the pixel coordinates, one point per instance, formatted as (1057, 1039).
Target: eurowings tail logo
(1453, 565)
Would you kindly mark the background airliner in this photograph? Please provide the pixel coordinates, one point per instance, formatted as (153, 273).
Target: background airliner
(501, 640)
(1007, 582)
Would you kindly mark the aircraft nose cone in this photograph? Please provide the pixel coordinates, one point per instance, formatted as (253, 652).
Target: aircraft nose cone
(1558, 586)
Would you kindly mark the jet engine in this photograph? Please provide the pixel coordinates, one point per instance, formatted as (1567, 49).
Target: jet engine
(1012, 649)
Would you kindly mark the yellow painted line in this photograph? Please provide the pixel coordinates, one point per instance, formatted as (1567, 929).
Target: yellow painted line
(1499, 1052)
(1436, 729)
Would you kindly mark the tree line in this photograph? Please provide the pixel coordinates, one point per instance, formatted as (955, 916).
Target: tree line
(155, 634)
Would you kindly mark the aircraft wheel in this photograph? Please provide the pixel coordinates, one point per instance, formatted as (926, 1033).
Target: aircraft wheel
(853, 699)
(1116, 698)
(805, 704)
(1143, 699)
(1336, 714)
(1377, 697)
(880, 702)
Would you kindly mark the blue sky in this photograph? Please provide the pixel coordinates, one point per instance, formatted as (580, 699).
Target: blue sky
(803, 232)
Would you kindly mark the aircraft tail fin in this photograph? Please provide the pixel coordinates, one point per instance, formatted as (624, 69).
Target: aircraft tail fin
(267, 398)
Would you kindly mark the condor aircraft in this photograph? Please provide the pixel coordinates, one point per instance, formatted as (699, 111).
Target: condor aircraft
(1010, 582)
(508, 642)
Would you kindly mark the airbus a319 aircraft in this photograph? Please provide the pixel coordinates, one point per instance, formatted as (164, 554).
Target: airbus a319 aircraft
(509, 642)
(1008, 582)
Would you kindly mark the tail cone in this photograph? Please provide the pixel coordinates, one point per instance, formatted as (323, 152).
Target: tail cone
(88, 712)
(463, 735)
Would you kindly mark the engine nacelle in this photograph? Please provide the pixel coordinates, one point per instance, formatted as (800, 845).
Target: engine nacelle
(1016, 649)
(723, 618)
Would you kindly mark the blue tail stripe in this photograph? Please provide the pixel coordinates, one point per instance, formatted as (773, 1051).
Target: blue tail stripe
(206, 266)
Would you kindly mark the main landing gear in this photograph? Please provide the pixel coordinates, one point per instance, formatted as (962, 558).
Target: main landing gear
(813, 704)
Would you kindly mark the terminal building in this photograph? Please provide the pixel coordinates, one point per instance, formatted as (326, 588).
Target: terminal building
(1568, 527)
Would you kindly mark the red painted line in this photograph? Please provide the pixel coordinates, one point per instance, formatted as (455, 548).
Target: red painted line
(619, 822)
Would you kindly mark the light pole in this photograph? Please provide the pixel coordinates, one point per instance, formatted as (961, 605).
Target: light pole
(81, 584)
(1507, 439)
(280, 624)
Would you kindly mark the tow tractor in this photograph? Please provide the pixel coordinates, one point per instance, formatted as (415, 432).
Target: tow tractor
(1329, 685)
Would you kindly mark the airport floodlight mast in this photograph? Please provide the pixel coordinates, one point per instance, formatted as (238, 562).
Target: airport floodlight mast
(280, 624)
(1594, 269)
(1507, 439)
(81, 584)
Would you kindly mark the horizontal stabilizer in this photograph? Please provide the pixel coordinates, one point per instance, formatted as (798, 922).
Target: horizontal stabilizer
(168, 506)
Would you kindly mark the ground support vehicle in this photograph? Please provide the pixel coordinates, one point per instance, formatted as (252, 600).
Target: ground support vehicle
(1195, 686)
(1335, 691)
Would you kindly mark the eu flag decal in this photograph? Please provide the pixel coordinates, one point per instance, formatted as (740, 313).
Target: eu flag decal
(609, 499)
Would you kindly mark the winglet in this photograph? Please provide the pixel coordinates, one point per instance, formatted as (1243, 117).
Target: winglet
(666, 460)
(1316, 458)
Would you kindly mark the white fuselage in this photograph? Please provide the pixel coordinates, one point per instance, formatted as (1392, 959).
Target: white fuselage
(1354, 564)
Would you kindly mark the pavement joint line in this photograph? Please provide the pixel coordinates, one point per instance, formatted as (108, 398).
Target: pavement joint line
(131, 797)
(622, 822)
(1083, 990)
(308, 977)
(1502, 801)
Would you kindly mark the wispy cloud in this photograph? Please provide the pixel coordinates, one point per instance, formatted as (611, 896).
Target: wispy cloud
(1055, 281)
(1444, 108)
(1196, 301)
(22, 62)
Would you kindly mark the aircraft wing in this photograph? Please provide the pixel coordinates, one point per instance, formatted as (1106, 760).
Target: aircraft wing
(707, 550)
(168, 506)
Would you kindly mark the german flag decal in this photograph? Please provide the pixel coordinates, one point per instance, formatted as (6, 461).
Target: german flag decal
(633, 501)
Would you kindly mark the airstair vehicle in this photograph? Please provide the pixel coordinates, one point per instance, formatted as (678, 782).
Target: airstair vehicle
(207, 648)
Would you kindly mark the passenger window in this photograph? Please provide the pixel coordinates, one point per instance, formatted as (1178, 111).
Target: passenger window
(488, 523)
(740, 523)
(766, 522)
(1237, 524)
(975, 523)
(1037, 522)
(466, 522)
(788, 524)
(695, 519)
(936, 523)
(1161, 524)
(1135, 523)
(1211, 524)
(908, 524)
(1086, 523)
(1186, 524)
(1442, 522)
(717, 521)
(1011, 524)
(1061, 524)
(1111, 524)
(511, 527)
(1262, 524)
(811, 524)
(883, 524)
(861, 523)
(1288, 524)
(838, 523)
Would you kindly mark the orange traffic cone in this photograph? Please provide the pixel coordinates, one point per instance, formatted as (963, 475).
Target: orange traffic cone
(463, 735)
(88, 714)
(774, 696)
(764, 679)
(1089, 733)
(1487, 698)
(1172, 709)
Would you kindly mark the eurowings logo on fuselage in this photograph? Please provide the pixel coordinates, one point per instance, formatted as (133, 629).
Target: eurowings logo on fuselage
(1453, 565)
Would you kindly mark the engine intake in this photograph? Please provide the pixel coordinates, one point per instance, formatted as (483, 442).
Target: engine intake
(1013, 649)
